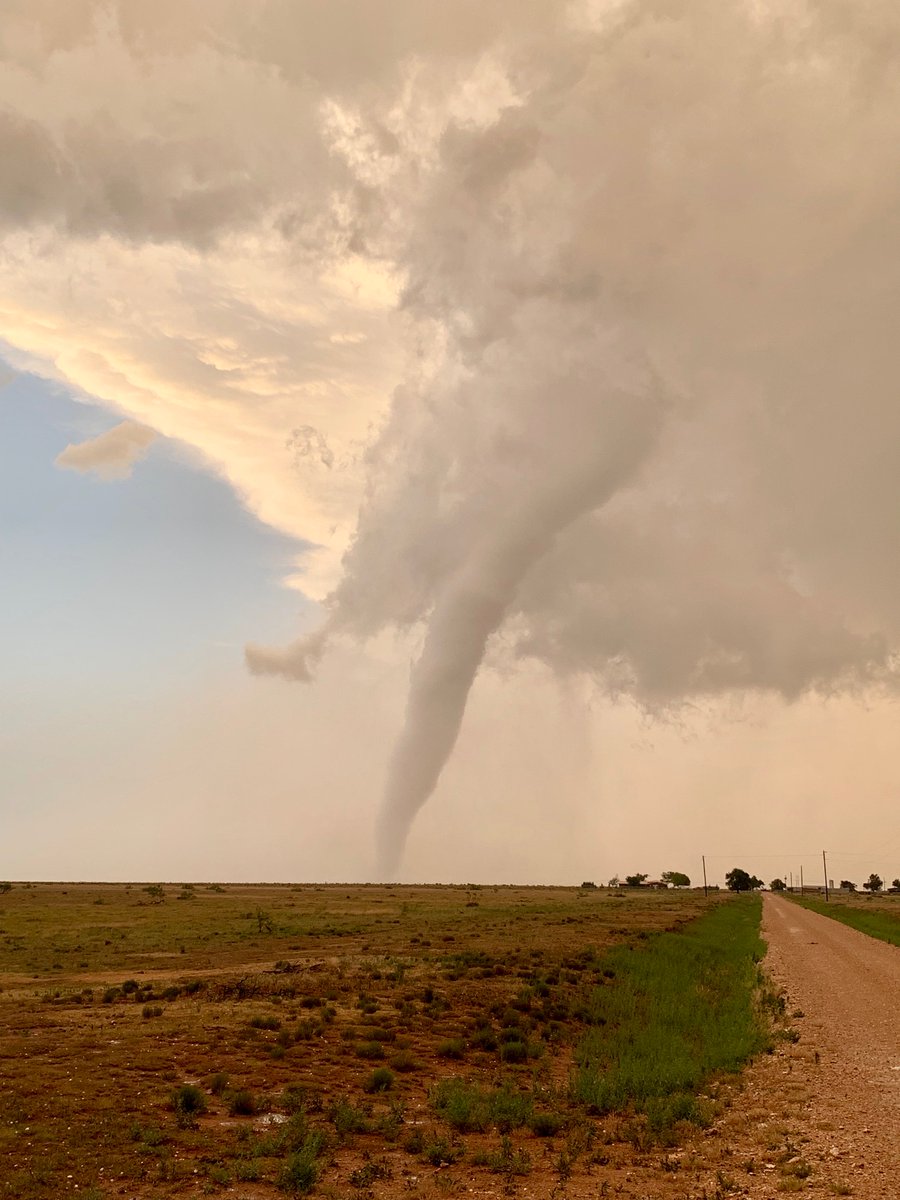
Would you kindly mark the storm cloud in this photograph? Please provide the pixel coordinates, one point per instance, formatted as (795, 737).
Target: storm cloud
(562, 332)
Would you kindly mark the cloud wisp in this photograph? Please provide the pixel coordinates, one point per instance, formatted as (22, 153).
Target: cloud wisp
(111, 455)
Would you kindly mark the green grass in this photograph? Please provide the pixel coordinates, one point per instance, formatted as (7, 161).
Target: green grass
(876, 922)
(676, 1011)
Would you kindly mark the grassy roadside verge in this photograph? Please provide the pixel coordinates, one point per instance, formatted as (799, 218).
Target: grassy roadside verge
(674, 1013)
(877, 923)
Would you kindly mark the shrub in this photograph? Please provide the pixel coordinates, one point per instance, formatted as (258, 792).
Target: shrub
(294, 1097)
(218, 1083)
(462, 1105)
(513, 1052)
(404, 1060)
(451, 1048)
(381, 1080)
(347, 1118)
(378, 1034)
(151, 1010)
(242, 1103)
(369, 1050)
(546, 1124)
(272, 1023)
(441, 1151)
(299, 1173)
(506, 1160)
(484, 1038)
(189, 1102)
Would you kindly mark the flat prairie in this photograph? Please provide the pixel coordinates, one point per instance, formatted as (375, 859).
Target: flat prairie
(261, 1040)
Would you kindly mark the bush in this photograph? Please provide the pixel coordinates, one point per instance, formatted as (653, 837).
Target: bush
(546, 1124)
(189, 1102)
(347, 1118)
(506, 1160)
(441, 1151)
(381, 1080)
(272, 1023)
(404, 1060)
(151, 1010)
(513, 1052)
(218, 1083)
(451, 1048)
(484, 1038)
(242, 1104)
(369, 1050)
(299, 1173)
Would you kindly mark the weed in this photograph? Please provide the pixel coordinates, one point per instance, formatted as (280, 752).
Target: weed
(505, 1160)
(300, 1171)
(347, 1118)
(441, 1151)
(369, 1173)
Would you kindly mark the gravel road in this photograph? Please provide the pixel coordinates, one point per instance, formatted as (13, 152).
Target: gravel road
(847, 986)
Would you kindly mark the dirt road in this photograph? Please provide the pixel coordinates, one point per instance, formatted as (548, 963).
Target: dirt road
(847, 986)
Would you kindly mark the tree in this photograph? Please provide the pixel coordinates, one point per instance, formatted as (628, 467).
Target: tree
(635, 880)
(895, 885)
(676, 878)
(777, 885)
(740, 881)
(874, 883)
(847, 885)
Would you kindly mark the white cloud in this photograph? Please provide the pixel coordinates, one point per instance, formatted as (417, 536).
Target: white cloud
(111, 455)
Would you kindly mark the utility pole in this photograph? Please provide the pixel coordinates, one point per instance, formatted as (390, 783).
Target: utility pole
(825, 869)
(801, 879)
(705, 888)
(791, 873)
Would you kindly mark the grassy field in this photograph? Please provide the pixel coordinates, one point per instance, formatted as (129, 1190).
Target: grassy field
(878, 916)
(258, 1040)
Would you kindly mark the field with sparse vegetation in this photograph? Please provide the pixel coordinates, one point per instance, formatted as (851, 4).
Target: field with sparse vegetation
(263, 1041)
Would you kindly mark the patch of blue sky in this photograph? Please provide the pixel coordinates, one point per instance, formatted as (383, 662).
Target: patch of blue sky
(148, 579)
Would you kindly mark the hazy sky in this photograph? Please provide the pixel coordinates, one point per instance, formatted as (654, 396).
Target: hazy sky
(516, 380)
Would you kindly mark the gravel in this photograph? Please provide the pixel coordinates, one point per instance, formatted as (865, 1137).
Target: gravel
(843, 989)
